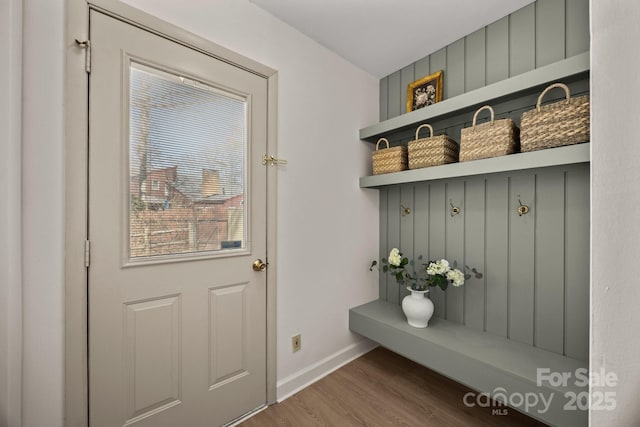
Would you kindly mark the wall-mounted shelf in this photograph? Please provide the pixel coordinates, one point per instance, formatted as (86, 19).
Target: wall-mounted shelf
(567, 155)
(521, 84)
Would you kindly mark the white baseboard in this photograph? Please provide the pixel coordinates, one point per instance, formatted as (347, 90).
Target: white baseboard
(297, 381)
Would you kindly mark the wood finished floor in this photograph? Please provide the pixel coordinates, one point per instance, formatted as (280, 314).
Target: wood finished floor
(382, 388)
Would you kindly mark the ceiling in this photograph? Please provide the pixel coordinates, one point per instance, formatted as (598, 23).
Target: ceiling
(383, 36)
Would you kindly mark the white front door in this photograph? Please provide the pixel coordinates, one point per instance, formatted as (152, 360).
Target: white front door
(177, 216)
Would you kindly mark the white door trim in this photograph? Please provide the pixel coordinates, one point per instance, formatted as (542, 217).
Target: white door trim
(76, 202)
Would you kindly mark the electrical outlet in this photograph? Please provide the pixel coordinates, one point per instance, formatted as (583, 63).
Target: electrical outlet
(296, 342)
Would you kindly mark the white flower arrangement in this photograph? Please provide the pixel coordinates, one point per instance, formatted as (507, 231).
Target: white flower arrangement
(438, 273)
(395, 258)
(438, 267)
(456, 277)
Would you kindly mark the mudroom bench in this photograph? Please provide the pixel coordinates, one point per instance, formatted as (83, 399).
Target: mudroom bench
(506, 369)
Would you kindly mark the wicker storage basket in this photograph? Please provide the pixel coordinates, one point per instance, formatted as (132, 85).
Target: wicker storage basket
(491, 139)
(388, 160)
(432, 151)
(560, 123)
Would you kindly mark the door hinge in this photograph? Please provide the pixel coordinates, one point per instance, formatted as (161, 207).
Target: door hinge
(86, 45)
(87, 253)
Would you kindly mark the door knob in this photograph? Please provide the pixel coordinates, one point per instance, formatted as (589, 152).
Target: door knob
(259, 265)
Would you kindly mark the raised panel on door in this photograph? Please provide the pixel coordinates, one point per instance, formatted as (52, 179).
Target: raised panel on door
(228, 336)
(153, 352)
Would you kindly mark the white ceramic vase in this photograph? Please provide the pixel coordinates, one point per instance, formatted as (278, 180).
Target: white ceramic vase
(418, 308)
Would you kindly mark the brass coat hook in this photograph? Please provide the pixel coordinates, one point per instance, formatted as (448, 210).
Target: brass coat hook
(455, 210)
(522, 209)
(405, 210)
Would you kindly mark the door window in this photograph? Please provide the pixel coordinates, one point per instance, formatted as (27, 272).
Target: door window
(187, 165)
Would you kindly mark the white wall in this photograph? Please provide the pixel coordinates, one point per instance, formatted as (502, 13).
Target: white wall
(10, 236)
(327, 226)
(43, 212)
(615, 296)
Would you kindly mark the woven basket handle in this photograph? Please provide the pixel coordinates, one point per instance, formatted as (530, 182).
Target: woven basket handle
(553, 86)
(381, 140)
(475, 116)
(425, 126)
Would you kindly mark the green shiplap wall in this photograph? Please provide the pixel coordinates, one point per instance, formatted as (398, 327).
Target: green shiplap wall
(537, 35)
(535, 284)
(535, 287)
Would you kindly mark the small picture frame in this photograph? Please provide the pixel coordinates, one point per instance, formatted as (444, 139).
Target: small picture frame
(423, 92)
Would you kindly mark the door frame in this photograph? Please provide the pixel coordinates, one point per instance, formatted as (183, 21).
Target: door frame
(76, 398)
